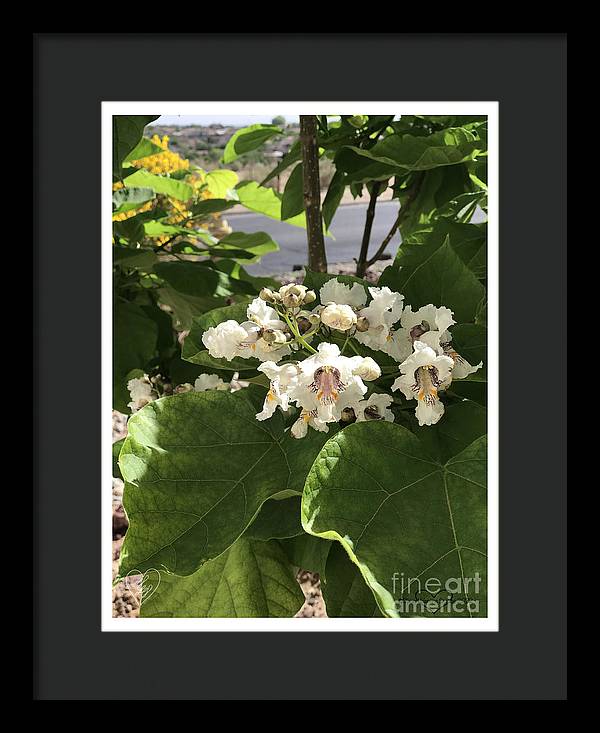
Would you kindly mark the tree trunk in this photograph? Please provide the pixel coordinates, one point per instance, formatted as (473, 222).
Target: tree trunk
(317, 261)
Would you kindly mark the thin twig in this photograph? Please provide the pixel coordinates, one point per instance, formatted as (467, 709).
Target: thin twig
(402, 214)
(361, 264)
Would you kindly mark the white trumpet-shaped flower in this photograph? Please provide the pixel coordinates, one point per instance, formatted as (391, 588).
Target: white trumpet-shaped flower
(224, 341)
(263, 318)
(327, 383)
(426, 318)
(205, 382)
(340, 317)
(423, 374)
(375, 408)
(141, 392)
(427, 324)
(382, 312)
(366, 368)
(300, 428)
(231, 339)
(336, 292)
(263, 315)
(281, 378)
(461, 368)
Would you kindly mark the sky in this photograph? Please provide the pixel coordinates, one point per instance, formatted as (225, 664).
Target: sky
(232, 120)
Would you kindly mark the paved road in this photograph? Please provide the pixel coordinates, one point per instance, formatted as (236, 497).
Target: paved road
(347, 228)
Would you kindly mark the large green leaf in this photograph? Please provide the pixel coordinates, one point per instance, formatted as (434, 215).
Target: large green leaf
(198, 467)
(116, 449)
(211, 206)
(437, 187)
(334, 195)
(237, 272)
(127, 131)
(133, 257)
(257, 243)
(292, 202)
(155, 228)
(248, 139)
(307, 552)
(198, 279)
(469, 241)
(160, 184)
(403, 513)
(358, 170)
(265, 201)
(221, 183)
(250, 579)
(470, 341)
(419, 153)
(131, 229)
(143, 149)
(134, 344)
(294, 154)
(277, 519)
(462, 424)
(344, 589)
(126, 199)
(433, 273)
(184, 308)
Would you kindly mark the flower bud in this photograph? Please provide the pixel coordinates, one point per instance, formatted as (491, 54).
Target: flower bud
(304, 325)
(266, 294)
(368, 369)
(338, 317)
(307, 320)
(300, 428)
(348, 415)
(312, 316)
(292, 295)
(274, 336)
(310, 297)
(372, 413)
(362, 324)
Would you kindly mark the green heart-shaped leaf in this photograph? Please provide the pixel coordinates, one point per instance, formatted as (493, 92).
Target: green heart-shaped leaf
(250, 579)
(198, 467)
(402, 513)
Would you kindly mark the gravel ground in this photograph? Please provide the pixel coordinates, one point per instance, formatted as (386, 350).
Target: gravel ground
(341, 268)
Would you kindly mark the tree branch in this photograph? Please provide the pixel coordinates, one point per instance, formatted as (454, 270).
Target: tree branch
(402, 214)
(317, 260)
(361, 264)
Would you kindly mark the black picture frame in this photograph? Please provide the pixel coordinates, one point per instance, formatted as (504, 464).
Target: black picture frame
(526, 73)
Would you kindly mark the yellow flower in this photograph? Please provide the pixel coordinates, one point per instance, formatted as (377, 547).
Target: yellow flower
(160, 163)
(128, 214)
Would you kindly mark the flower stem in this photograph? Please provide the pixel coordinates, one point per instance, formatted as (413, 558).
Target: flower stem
(354, 349)
(296, 333)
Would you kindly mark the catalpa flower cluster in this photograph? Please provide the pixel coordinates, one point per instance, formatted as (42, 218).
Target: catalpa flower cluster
(305, 353)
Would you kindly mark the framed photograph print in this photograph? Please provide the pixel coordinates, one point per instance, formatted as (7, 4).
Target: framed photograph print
(290, 334)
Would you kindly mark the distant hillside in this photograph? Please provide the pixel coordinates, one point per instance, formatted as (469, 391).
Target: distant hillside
(204, 146)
